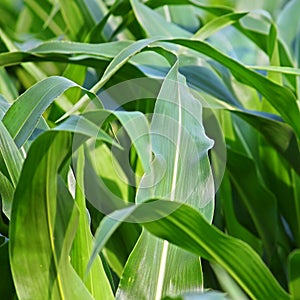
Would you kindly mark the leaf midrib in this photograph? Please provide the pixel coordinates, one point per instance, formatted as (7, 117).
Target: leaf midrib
(163, 261)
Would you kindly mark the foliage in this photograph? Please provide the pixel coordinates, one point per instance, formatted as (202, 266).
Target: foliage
(149, 149)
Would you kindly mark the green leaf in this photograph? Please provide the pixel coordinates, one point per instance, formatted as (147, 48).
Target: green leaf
(119, 61)
(294, 275)
(176, 122)
(42, 11)
(96, 281)
(273, 52)
(279, 97)
(137, 127)
(183, 226)
(11, 154)
(43, 225)
(214, 9)
(64, 51)
(217, 24)
(7, 87)
(260, 202)
(234, 228)
(4, 106)
(32, 69)
(82, 125)
(210, 295)
(154, 24)
(73, 18)
(187, 228)
(7, 194)
(108, 50)
(184, 16)
(23, 116)
(107, 227)
(288, 15)
(228, 284)
(278, 69)
(280, 135)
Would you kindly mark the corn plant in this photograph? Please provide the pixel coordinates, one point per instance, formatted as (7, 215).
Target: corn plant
(149, 149)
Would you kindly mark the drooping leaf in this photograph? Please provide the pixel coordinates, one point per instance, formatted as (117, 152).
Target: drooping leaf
(108, 50)
(119, 61)
(188, 228)
(23, 116)
(83, 126)
(154, 24)
(184, 226)
(217, 24)
(279, 97)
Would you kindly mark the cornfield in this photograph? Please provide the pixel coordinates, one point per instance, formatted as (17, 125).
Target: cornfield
(149, 149)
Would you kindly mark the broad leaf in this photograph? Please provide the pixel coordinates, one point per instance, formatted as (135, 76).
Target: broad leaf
(43, 225)
(178, 172)
(184, 226)
(187, 228)
(23, 116)
(279, 97)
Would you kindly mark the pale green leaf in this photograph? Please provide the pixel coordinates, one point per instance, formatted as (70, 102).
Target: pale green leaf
(281, 98)
(154, 24)
(217, 24)
(7, 194)
(96, 280)
(278, 69)
(23, 116)
(179, 173)
(119, 61)
(11, 154)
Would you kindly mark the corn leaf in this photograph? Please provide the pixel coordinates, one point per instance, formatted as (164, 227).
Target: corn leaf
(43, 225)
(176, 123)
(96, 281)
(188, 228)
(11, 154)
(23, 116)
(154, 24)
(294, 276)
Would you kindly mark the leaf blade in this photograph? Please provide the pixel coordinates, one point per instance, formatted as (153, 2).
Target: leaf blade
(54, 277)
